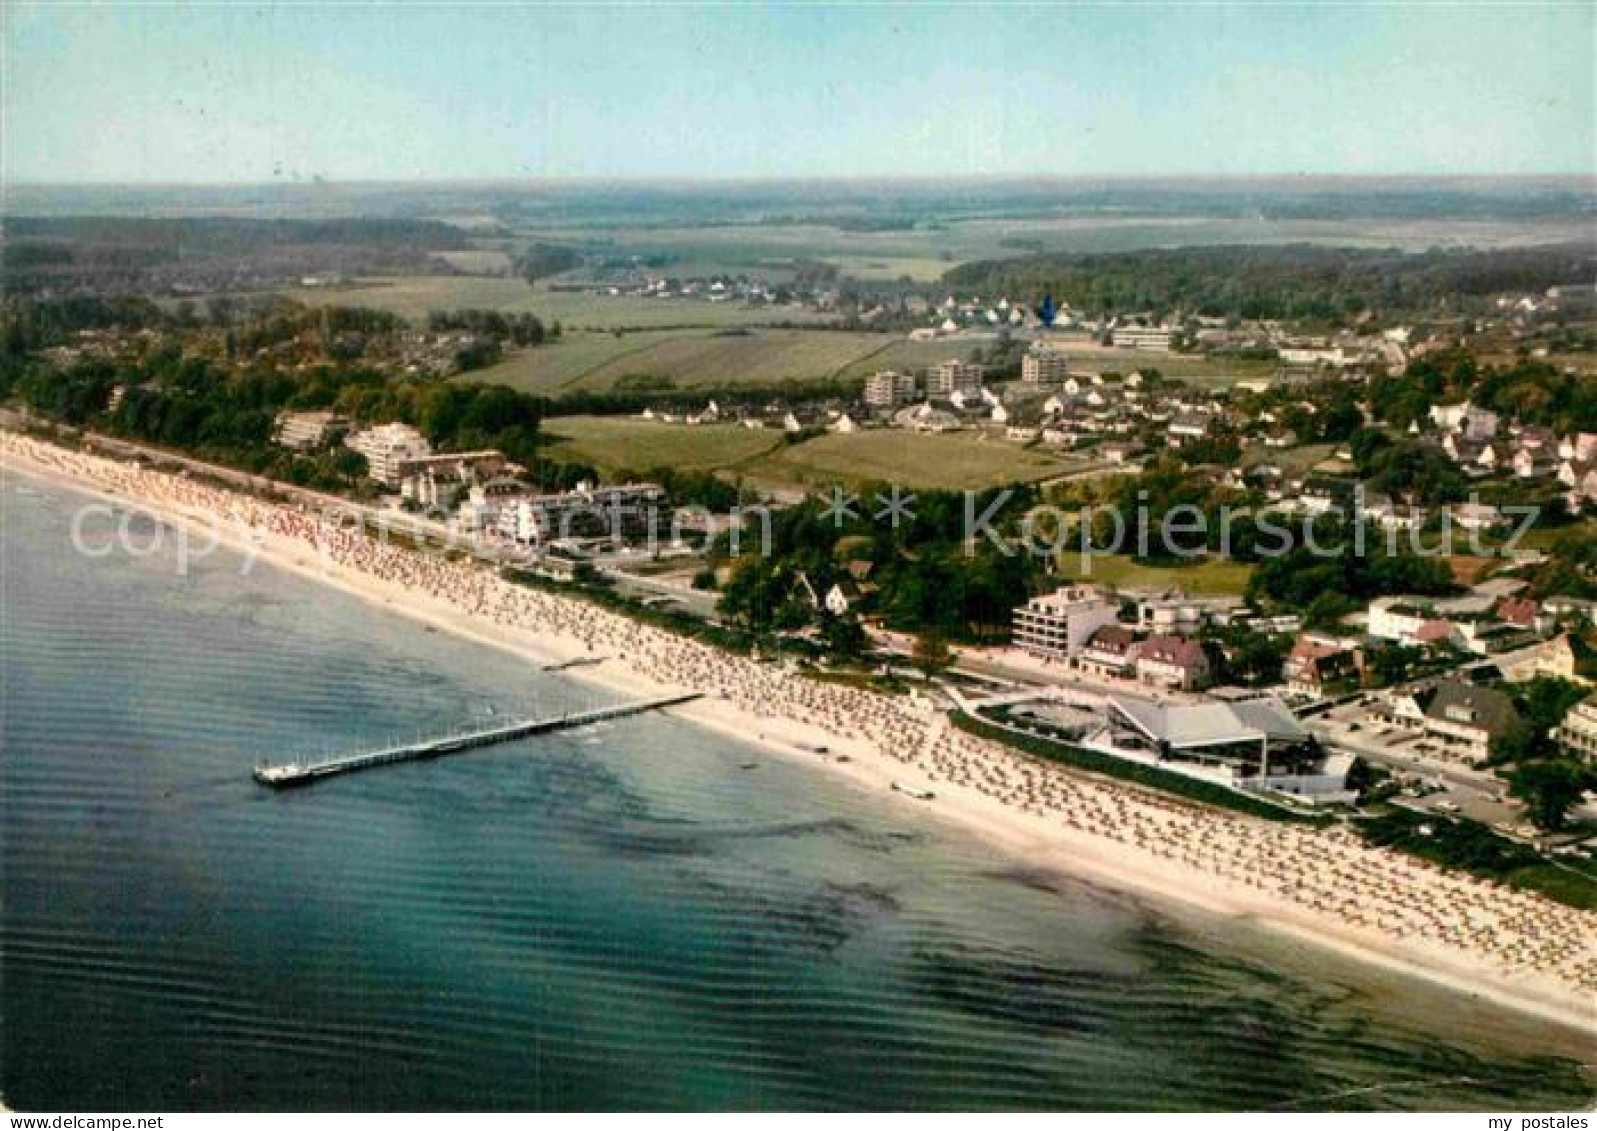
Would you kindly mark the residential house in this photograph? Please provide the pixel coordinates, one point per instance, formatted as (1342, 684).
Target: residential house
(1462, 717)
(1554, 658)
(1465, 718)
(1174, 662)
(1521, 612)
(1316, 664)
(1110, 652)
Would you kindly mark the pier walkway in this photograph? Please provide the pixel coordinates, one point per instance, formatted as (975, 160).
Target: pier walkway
(303, 773)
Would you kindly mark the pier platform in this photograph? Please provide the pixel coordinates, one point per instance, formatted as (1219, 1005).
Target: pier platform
(289, 774)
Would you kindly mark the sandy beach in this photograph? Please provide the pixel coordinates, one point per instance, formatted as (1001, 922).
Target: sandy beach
(1326, 887)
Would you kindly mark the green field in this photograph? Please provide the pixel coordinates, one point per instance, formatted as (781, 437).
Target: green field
(954, 461)
(1211, 575)
(413, 296)
(610, 443)
(594, 362)
(951, 460)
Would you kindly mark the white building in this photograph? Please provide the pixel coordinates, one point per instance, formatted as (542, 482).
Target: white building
(1156, 338)
(387, 447)
(1577, 734)
(954, 376)
(1059, 624)
(1044, 367)
(889, 389)
(304, 431)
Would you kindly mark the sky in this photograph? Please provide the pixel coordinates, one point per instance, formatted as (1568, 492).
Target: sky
(176, 92)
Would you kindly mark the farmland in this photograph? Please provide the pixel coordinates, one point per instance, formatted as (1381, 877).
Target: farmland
(587, 362)
(413, 296)
(953, 461)
(612, 443)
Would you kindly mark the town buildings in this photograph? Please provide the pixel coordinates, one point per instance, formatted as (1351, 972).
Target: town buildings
(387, 447)
(1156, 338)
(1577, 734)
(1174, 662)
(1057, 625)
(954, 376)
(616, 512)
(1459, 718)
(1044, 367)
(1317, 665)
(307, 431)
(888, 389)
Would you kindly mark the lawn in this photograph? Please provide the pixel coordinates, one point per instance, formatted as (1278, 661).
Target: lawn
(1210, 575)
(613, 442)
(952, 460)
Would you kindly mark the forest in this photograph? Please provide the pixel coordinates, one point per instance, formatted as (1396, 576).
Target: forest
(1326, 284)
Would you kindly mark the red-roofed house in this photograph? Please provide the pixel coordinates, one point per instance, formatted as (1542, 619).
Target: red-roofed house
(1313, 664)
(1521, 612)
(1110, 651)
(1176, 662)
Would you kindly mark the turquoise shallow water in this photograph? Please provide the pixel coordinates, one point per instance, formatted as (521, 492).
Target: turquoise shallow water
(641, 915)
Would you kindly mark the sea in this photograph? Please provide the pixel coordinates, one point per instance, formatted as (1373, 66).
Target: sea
(639, 915)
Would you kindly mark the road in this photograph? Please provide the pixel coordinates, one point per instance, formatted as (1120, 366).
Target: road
(1478, 794)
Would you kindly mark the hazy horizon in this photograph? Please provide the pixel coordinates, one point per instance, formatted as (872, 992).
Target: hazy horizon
(233, 96)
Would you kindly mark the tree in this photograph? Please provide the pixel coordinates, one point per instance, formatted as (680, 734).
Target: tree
(1550, 789)
(844, 637)
(931, 654)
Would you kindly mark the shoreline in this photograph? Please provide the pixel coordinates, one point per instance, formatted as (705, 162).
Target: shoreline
(1023, 822)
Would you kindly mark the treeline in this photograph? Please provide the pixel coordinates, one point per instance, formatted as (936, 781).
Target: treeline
(218, 235)
(632, 393)
(519, 329)
(541, 260)
(129, 255)
(1333, 578)
(228, 415)
(1288, 282)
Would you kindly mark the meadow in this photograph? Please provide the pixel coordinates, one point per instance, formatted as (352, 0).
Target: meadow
(1207, 575)
(764, 458)
(613, 443)
(949, 460)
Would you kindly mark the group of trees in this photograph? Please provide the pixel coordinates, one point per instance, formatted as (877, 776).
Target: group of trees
(541, 260)
(524, 329)
(1532, 392)
(1403, 468)
(1539, 773)
(228, 414)
(1333, 285)
(926, 577)
(1332, 578)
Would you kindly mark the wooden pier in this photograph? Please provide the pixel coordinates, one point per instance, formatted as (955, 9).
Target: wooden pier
(304, 773)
